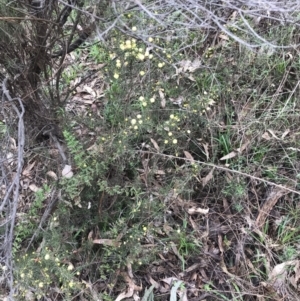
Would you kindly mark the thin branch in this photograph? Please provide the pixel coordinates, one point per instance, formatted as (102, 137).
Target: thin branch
(11, 199)
(224, 169)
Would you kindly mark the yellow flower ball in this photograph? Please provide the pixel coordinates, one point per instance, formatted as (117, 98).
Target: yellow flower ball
(140, 56)
(211, 102)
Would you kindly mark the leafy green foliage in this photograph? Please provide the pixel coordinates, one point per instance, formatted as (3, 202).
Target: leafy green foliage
(29, 222)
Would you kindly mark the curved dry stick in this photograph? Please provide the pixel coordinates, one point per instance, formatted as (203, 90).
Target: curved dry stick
(11, 197)
(224, 169)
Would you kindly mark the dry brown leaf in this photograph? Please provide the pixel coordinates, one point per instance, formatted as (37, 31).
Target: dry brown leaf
(226, 206)
(77, 201)
(176, 283)
(176, 252)
(89, 90)
(28, 296)
(207, 178)
(107, 242)
(188, 156)
(90, 236)
(229, 156)
(270, 202)
(205, 145)
(76, 98)
(33, 187)
(195, 65)
(92, 290)
(220, 243)
(278, 275)
(184, 64)
(190, 269)
(162, 98)
(232, 17)
(187, 65)
(273, 134)
(145, 163)
(246, 112)
(129, 270)
(164, 288)
(224, 37)
(67, 172)
(13, 144)
(295, 277)
(10, 158)
(26, 171)
(167, 228)
(170, 280)
(88, 101)
(159, 172)
(266, 136)
(243, 147)
(155, 144)
(130, 282)
(153, 282)
(182, 292)
(191, 77)
(95, 148)
(177, 101)
(284, 134)
(52, 175)
(194, 225)
(124, 295)
(195, 210)
(136, 297)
